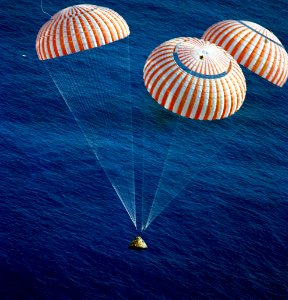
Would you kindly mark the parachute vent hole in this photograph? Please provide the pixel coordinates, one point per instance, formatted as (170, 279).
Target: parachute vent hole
(201, 57)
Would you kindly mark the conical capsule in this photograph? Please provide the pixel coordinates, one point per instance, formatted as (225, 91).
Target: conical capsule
(138, 244)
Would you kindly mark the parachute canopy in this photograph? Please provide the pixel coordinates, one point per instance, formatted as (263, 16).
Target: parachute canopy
(78, 28)
(195, 79)
(253, 46)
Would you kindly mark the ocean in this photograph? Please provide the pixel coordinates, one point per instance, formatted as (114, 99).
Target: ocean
(64, 233)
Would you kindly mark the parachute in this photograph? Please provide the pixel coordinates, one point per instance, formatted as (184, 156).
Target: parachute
(78, 28)
(85, 49)
(197, 80)
(253, 46)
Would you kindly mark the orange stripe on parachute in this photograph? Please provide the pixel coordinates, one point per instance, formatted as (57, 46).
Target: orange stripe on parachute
(201, 101)
(63, 48)
(69, 37)
(177, 92)
(78, 35)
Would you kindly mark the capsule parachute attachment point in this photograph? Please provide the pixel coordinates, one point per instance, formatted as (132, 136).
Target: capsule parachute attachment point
(195, 79)
(253, 46)
(138, 244)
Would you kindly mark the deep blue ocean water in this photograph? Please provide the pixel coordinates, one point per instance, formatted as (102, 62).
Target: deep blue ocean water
(63, 231)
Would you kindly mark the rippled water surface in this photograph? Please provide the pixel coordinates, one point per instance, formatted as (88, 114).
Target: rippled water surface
(64, 232)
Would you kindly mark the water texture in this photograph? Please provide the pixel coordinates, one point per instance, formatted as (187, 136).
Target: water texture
(64, 233)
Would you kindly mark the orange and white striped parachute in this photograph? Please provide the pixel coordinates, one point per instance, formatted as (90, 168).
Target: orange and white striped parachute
(79, 28)
(253, 46)
(195, 79)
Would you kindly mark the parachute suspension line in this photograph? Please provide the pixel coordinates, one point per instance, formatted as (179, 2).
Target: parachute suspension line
(144, 133)
(152, 208)
(41, 4)
(160, 162)
(142, 178)
(142, 170)
(124, 60)
(162, 172)
(109, 118)
(74, 89)
(132, 129)
(197, 96)
(207, 165)
(95, 152)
